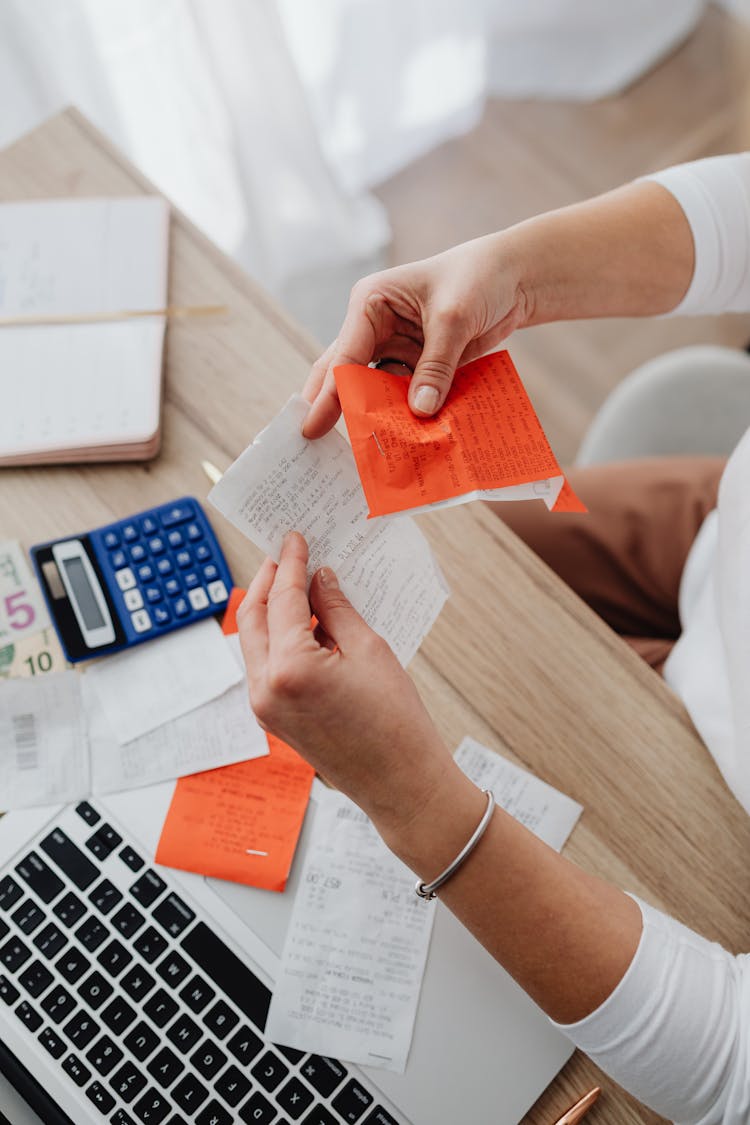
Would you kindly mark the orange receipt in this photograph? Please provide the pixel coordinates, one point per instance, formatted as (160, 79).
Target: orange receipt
(239, 822)
(486, 441)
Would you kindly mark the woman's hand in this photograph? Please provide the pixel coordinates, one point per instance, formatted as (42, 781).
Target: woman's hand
(431, 316)
(338, 695)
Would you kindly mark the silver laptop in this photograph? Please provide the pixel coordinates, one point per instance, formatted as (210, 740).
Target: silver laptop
(133, 995)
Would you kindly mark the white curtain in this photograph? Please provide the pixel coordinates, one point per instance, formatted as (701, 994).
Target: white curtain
(267, 122)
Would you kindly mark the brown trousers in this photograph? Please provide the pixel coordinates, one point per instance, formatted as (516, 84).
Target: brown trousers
(625, 557)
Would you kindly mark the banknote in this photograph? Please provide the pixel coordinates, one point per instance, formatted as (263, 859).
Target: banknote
(22, 609)
(34, 655)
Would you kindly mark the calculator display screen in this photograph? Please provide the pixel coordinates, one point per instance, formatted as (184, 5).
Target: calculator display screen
(84, 595)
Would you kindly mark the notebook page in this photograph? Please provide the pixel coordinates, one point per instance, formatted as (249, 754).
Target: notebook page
(64, 386)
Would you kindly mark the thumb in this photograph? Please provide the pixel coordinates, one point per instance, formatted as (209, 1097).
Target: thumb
(444, 343)
(337, 616)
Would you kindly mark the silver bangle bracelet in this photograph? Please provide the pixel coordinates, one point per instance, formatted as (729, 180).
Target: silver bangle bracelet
(429, 890)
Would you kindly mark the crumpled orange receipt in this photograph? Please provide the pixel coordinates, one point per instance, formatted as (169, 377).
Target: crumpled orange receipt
(239, 822)
(486, 441)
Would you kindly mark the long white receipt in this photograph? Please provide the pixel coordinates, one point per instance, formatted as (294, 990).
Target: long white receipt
(282, 482)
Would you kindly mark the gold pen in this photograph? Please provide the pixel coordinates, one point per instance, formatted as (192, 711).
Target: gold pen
(169, 312)
(580, 1109)
(213, 474)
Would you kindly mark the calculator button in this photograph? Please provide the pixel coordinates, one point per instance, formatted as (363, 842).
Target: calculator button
(164, 566)
(149, 525)
(118, 559)
(183, 559)
(198, 598)
(177, 513)
(146, 573)
(202, 553)
(157, 546)
(125, 578)
(175, 539)
(133, 599)
(161, 615)
(193, 532)
(211, 572)
(141, 621)
(111, 539)
(137, 553)
(153, 594)
(217, 592)
(181, 607)
(130, 533)
(173, 587)
(191, 580)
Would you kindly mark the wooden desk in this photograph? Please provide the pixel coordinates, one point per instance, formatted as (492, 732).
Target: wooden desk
(515, 660)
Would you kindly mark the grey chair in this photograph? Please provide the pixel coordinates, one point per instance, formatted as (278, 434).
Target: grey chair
(692, 400)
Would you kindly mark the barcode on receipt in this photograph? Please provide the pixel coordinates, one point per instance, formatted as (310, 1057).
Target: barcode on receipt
(24, 736)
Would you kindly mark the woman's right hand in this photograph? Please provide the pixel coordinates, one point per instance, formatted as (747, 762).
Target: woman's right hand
(432, 316)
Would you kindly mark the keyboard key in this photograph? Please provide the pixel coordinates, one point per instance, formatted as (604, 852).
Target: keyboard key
(352, 1101)
(36, 979)
(211, 572)
(137, 983)
(81, 1029)
(291, 1053)
(111, 539)
(245, 1045)
(133, 599)
(95, 990)
(202, 553)
(154, 595)
(118, 559)
(87, 813)
(114, 958)
(164, 566)
(259, 1111)
(14, 954)
(141, 1041)
(324, 1074)
(173, 587)
(197, 993)
(128, 920)
(173, 915)
(120, 1117)
(225, 969)
(232, 1085)
(69, 909)
(184, 1034)
(106, 838)
(191, 579)
(130, 858)
(125, 578)
(320, 1116)
(213, 1114)
(118, 1015)
(58, 1004)
(208, 1059)
(29, 1016)
(52, 1042)
(145, 575)
(105, 896)
(165, 1067)
(218, 592)
(101, 1097)
(92, 933)
(10, 892)
(176, 513)
(184, 559)
(198, 598)
(220, 1019)
(147, 889)
(152, 1108)
(50, 940)
(8, 991)
(130, 533)
(28, 916)
(72, 964)
(149, 525)
(175, 539)
(294, 1098)
(4, 929)
(157, 546)
(193, 532)
(150, 944)
(161, 1007)
(379, 1116)
(181, 607)
(137, 553)
(70, 859)
(173, 969)
(189, 1093)
(269, 1070)
(75, 1069)
(43, 881)
(127, 1082)
(161, 615)
(104, 1055)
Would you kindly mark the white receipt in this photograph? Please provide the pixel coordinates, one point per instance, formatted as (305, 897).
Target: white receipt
(43, 753)
(151, 684)
(355, 951)
(547, 812)
(283, 482)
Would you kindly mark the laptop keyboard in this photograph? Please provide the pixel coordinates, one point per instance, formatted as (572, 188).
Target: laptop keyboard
(140, 1004)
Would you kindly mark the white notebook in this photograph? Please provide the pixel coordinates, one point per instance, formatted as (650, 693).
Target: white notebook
(82, 392)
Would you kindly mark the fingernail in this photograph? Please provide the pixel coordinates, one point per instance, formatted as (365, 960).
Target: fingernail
(326, 577)
(426, 400)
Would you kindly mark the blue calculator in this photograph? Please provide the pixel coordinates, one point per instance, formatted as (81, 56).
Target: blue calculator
(132, 580)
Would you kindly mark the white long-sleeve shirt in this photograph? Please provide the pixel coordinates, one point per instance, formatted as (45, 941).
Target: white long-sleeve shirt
(676, 1030)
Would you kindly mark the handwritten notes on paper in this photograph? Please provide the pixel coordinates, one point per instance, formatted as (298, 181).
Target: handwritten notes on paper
(283, 482)
(485, 443)
(356, 947)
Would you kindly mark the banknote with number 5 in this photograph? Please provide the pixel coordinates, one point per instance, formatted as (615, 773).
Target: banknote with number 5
(22, 608)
